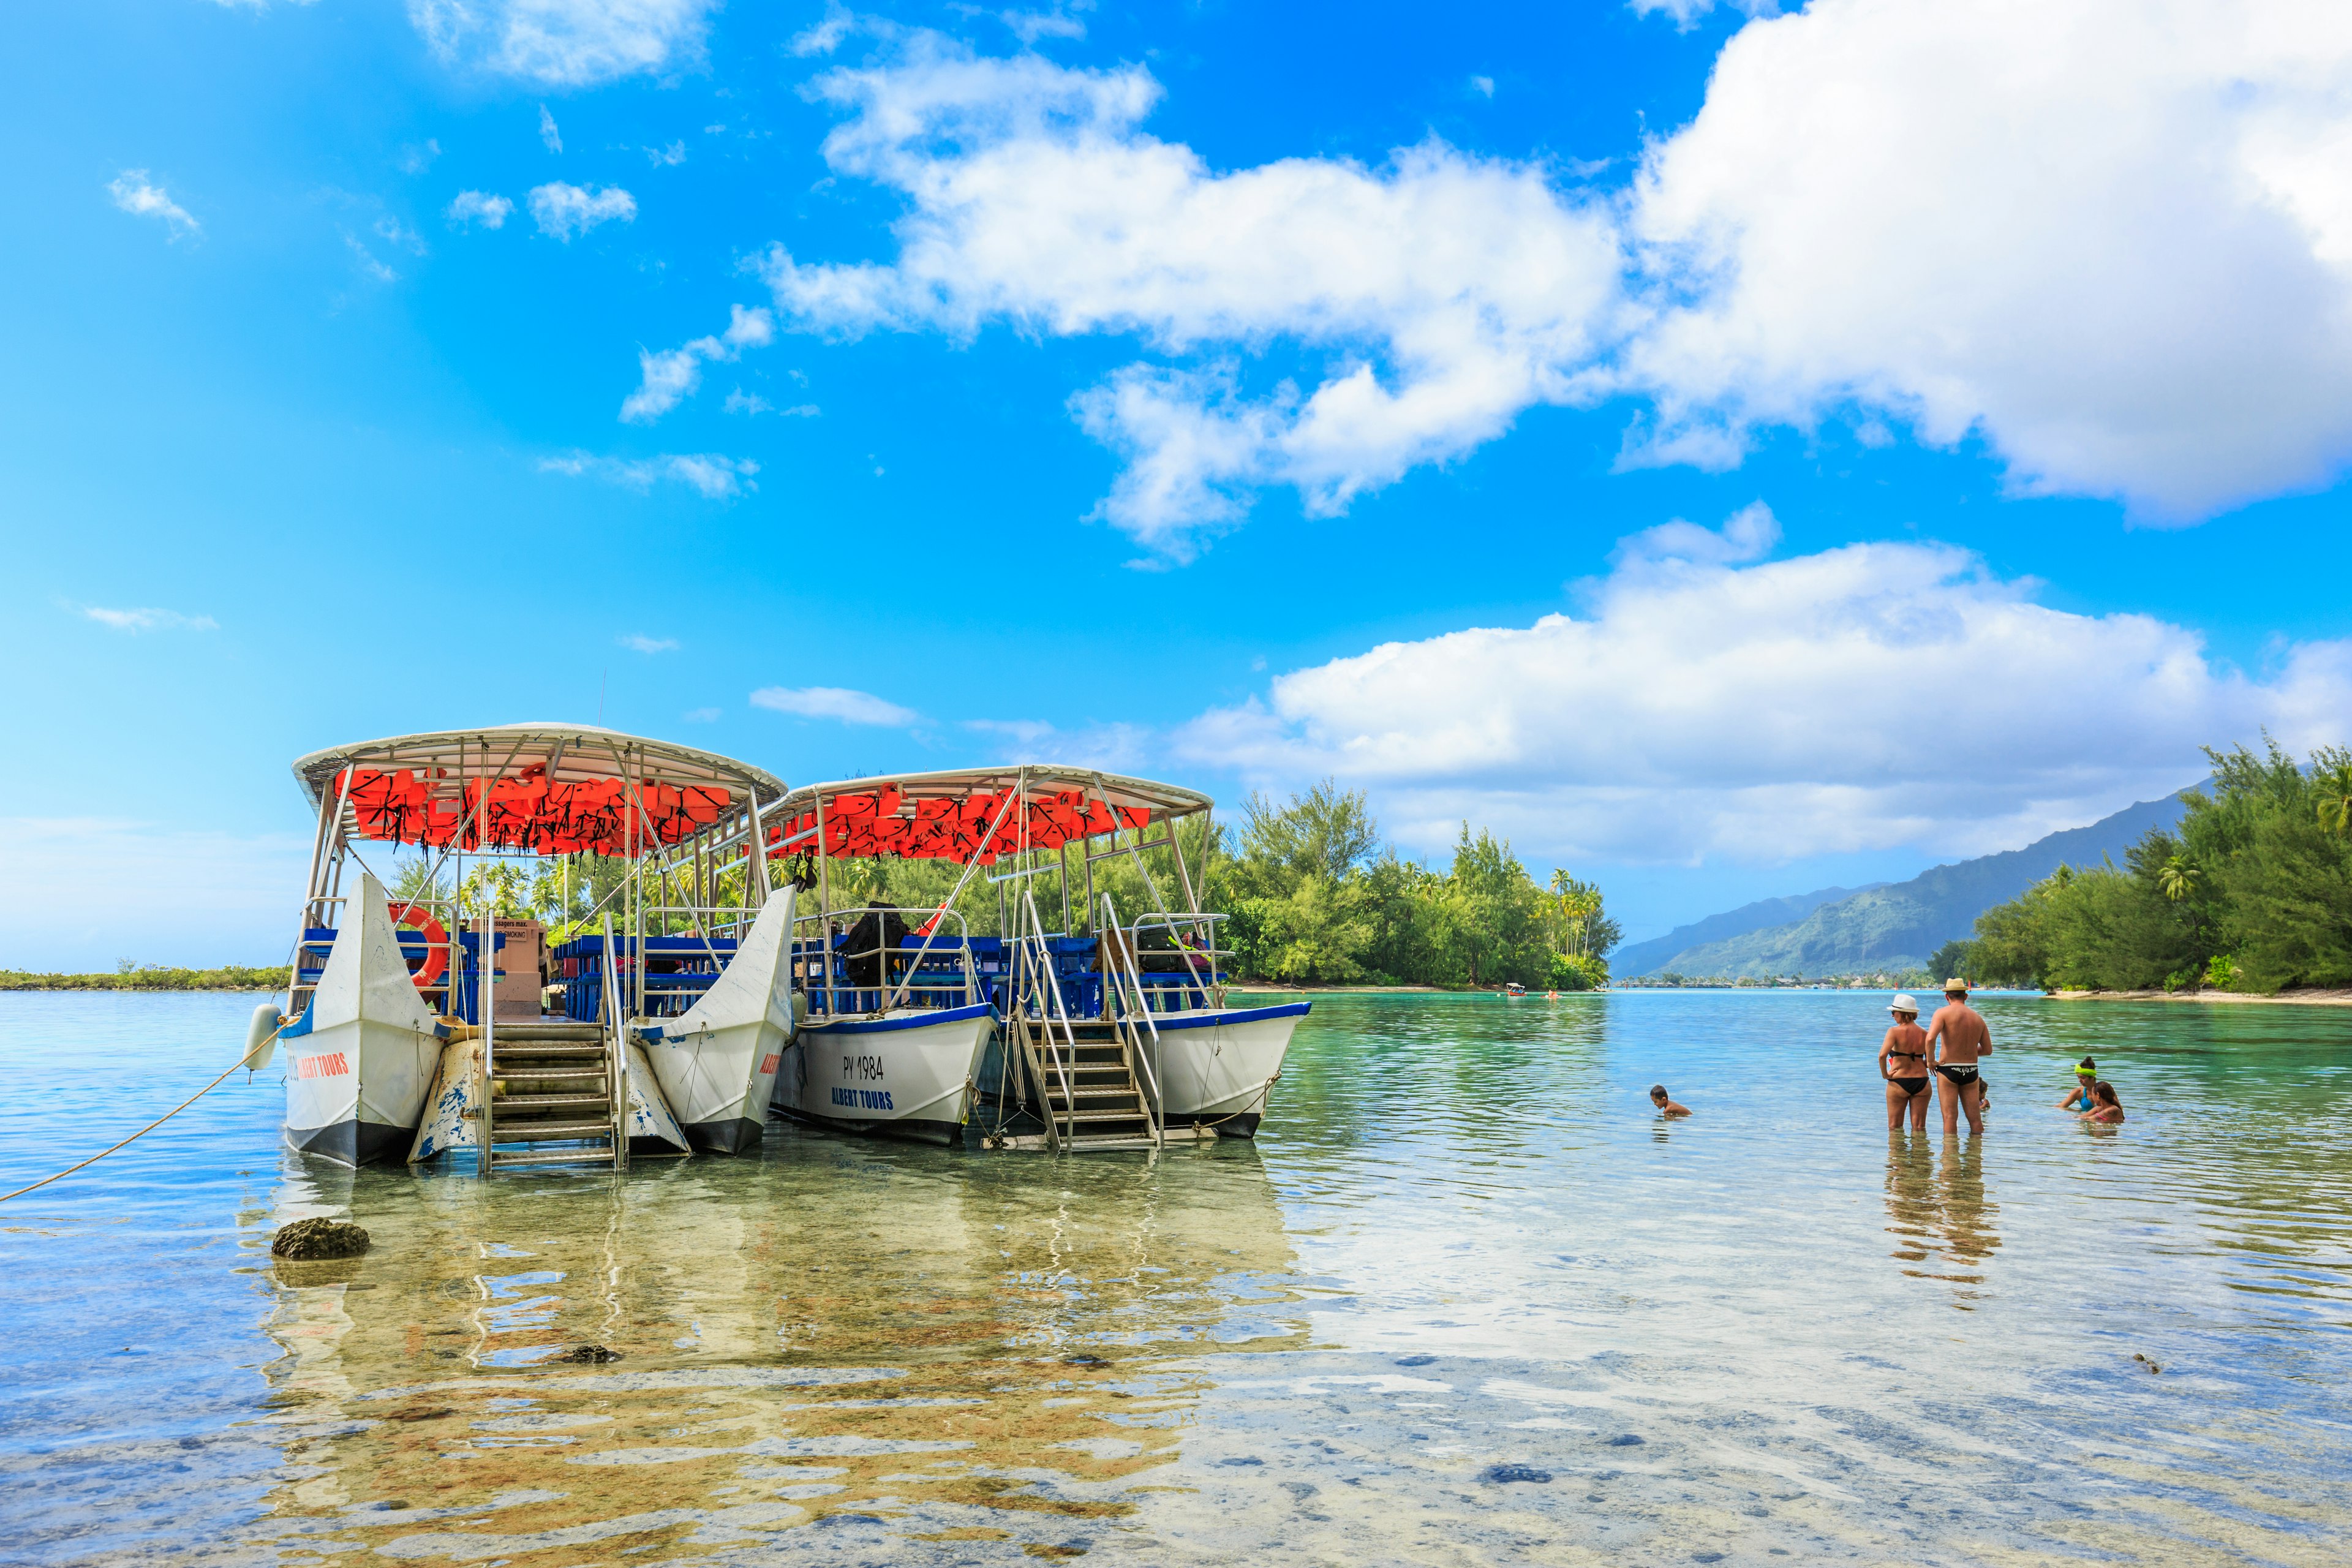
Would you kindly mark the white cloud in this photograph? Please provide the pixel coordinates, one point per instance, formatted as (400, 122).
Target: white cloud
(1449, 290)
(834, 702)
(1484, 86)
(716, 477)
(1684, 14)
(700, 715)
(667, 157)
(370, 265)
(2113, 237)
(136, 621)
(417, 157)
(564, 211)
(550, 136)
(135, 194)
(1706, 703)
(1118, 747)
(1030, 25)
(741, 402)
(566, 43)
(822, 38)
(479, 207)
(671, 375)
(65, 909)
(640, 643)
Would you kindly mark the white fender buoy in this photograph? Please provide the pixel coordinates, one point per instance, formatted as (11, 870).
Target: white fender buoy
(261, 1037)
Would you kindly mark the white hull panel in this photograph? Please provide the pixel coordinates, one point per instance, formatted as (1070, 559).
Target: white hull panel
(910, 1073)
(715, 1064)
(1220, 1065)
(361, 1059)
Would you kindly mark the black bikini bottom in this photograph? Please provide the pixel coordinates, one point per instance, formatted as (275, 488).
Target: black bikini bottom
(1960, 1077)
(1912, 1088)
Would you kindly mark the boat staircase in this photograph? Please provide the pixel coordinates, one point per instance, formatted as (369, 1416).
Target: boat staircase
(1088, 1078)
(555, 1089)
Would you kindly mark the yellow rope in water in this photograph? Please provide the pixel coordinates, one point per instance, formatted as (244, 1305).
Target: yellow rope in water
(143, 1133)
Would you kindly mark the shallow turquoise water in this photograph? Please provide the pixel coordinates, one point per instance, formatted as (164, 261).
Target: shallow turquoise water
(1463, 1250)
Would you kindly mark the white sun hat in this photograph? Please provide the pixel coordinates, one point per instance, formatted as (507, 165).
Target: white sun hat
(1904, 1003)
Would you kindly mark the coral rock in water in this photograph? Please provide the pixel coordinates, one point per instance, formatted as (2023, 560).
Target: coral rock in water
(312, 1238)
(592, 1355)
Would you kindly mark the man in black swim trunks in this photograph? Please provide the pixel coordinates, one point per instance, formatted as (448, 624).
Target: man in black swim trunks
(1957, 1039)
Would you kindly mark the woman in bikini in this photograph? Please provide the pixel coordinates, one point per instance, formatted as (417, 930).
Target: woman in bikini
(2106, 1107)
(1903, 1063)
(2078, 1099)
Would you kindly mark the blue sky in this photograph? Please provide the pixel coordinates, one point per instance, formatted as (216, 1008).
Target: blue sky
(1731, 451)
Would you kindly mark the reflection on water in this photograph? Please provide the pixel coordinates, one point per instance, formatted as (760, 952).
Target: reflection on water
(1937, 1210)
(969, 1350)
(1468, 1300)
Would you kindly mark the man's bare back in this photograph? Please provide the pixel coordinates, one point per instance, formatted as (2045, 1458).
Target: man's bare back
(1957, 1039)
(1963, 1032)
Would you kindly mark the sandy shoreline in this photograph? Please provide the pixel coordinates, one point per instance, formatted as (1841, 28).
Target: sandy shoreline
(2292, 998)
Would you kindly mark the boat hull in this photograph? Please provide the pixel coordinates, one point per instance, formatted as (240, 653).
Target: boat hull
(361, 1059)
(715, 1065)
(1215, 1068)
(905, 1075)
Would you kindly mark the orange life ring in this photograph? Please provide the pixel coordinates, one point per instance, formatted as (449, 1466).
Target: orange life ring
(436, 944)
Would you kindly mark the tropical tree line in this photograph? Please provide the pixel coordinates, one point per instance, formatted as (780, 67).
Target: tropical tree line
(1312, 894)
(2254, 891)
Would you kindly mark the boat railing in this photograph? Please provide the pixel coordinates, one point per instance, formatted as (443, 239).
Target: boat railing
(1120, 973)
(1036, 959)
(1199, 954)
(617, 1054)
(487, 1102)
(317, 942)
(938, 972)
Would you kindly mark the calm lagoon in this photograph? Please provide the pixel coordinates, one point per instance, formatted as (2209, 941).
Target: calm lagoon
(1465, 1301)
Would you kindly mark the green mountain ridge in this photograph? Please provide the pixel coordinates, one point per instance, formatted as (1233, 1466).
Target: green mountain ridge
(1898, 926)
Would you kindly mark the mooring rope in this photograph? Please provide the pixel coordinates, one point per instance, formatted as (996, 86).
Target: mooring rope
(143, 1133)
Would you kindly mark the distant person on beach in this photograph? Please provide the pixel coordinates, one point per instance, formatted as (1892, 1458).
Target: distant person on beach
(1903, 1063)
(2105, 1106)
(2078, 1099)
(1957, 1039)
(1665, 1102)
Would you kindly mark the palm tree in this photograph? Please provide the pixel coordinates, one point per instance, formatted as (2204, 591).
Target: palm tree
(2335, 799)
(2178, 877)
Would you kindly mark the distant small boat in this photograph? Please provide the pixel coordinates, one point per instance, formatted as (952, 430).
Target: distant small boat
(1514, 989)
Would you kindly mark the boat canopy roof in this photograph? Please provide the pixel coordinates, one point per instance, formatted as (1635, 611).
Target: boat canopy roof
(544, 788)
(971, 813)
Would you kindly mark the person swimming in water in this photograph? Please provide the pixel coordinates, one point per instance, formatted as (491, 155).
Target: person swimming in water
(1958, 1040)
(2105, 1107)
(1665, 1103)
(1905, 1043)
(2078, 1099)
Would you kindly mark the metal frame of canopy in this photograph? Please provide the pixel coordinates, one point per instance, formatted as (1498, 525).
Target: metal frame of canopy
(453, 760)
(1025, 784)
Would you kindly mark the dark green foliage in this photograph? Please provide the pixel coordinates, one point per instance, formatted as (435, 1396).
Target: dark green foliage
(2254, 889)
(151, 977)
(1314, 896)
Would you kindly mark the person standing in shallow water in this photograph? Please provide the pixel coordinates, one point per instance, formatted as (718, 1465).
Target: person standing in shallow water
(1957, 1039)
(1666, 1105)
(1903, 1063)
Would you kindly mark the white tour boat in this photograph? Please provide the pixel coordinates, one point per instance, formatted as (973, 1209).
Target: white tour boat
(1093, 1031)
(419, 1025)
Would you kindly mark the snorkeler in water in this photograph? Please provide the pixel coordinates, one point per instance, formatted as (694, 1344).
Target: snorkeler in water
(2078, 1099)
(1666, 1102)
(1903, 1063)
